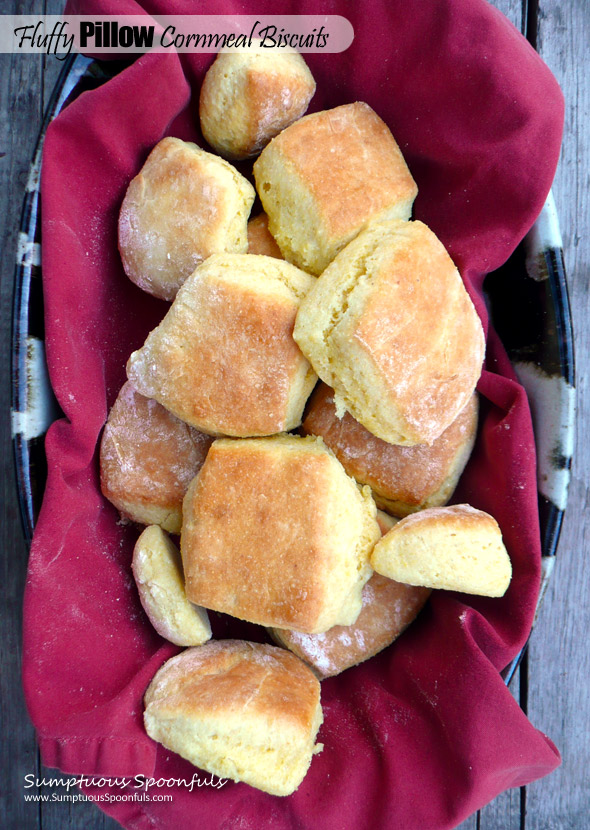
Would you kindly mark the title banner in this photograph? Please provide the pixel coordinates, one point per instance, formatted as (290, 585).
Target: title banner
(121, 34)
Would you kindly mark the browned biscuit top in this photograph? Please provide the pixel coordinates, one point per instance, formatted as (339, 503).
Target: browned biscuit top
(148, 457)
(350, 162)
(224, 359)
(226, 676)
(276, 533)
(245, 504)
(426, 338)
(402, 474)
(182, 206)
(248, 97)
(260, 239)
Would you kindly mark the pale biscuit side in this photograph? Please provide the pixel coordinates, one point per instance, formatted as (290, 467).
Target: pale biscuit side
(457, 548)
(157, 569)
(244, 711)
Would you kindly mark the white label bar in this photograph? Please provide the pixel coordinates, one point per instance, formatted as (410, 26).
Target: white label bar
(130, 34)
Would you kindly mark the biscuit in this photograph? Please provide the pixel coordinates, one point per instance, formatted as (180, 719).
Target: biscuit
(457, 548)
(390, 327)
(276, 533)
(324, 178)
(403, 479)
(388, 608)
(157, 569)
(249, 97)
(184, 205)
(224, 359)
(260, 239)
(245, 711)
(148, 457)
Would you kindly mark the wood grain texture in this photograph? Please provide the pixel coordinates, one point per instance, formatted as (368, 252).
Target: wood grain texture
(512, 9)
(20, 96)
(559, 656)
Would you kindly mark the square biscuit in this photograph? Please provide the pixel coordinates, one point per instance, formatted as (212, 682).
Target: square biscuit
(390, 327)
(276, 533)
(326, 177)
(248, 97)
(223, 359)
(245, 711)
(184, 205)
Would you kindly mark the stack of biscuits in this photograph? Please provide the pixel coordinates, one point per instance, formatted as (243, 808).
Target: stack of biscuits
(299, 417)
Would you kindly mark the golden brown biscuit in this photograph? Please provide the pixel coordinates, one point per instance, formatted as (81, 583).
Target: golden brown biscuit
(457, 548)
(224, 359)
(249, 97)
(148, 457)
(388, 608)
(403, 479)
(260, 239)
(390, 327)
(276, 533)
(245, 711)
(184, 205)
(157, 569)
(328, 175)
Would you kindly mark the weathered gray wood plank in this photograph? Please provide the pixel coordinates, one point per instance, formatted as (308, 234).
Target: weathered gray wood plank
(559, 659)
(504, 812)
(512, 9)
(19, 98)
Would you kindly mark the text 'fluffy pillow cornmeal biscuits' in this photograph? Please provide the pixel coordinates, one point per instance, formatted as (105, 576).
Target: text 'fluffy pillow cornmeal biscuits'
(245, 711)
(328, 175)
(390, 327)
(275, 532)
(183, 205)
(223, 359)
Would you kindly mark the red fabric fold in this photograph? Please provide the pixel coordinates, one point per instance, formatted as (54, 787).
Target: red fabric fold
(426, 732)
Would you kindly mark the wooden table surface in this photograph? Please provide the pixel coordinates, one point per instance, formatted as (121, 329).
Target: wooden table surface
(553, 683)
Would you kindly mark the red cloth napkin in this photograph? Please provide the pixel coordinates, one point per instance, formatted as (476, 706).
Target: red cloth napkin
(425, 733)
